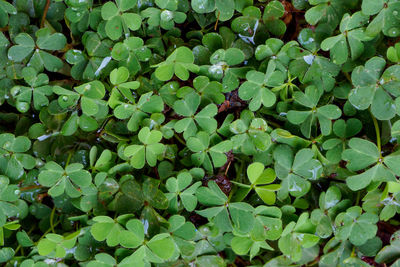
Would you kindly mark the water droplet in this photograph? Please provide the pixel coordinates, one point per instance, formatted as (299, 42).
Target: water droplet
(7, 144)
(22, 106)
(15, 90)
(65, 98)
(166, 15)
(393, 32)
(309, 59)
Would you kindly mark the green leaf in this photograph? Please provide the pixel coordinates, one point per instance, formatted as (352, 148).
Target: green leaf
(24, 47)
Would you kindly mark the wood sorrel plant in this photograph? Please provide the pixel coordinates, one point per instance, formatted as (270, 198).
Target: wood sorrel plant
(199, 133)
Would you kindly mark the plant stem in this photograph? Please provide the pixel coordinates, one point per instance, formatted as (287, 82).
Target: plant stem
(68, 159)
(46, 8)
(45, 233)
(347, 76)
(377, 132)
(51, 219)
(276, 125)
(19, 246)
(179, 139)
(358, 198)
(239, 173)
(240, 184)
(30, 187)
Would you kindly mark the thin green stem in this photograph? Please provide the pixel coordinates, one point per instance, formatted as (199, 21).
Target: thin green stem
(358, 197)
(377, 132)
(353, 252)
(47, 231)
(239, 174)
(276, 125)
(179, 139)
(240, 184)
(68, 159)
(52, 218)
(19, 246)
(347, 76)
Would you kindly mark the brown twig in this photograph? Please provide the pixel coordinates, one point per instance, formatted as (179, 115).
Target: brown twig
(46, 8)
(30, 187)
(216, 23)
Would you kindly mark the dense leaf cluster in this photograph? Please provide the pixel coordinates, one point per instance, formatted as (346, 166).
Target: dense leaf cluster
(199, 133)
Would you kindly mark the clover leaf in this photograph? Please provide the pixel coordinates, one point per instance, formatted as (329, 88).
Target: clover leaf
(160, 247)
(119, 78)
(227, 216)
(180, 62)
(241, 245)
(153, 195)
(46, 42)
(297, 236)
(166, 16)
(13, 159)
(267, 224)
(105, 228)
(295, 171)
(82, 14)
(5, 9)
(118, 20)
(247, 24)
(386, 19)
(393, 53)
(210, 91)
(57, 245)
(350, 41)
(256, 88)
(69, 180)
(260, 180)
(130, 53)
(390, 199)
(9, 226)
(89, 95)
(375, 89)
(250, 134)
(285, 137)
(343, 130)
(276, 50)
(327, 12)
(222, 68)
(9, 194)
(89, 65)
(148, 152)
(224, 9)
(356, 226)
(309, 66)
(37, 93)
(391, 251)
(204, 118)
(135, 111)
(183, 188)
(104, 259)
(272, 12)
(182, 232)
(307, 118)
(209, 156)
(330, 205)
(360, 156)
(336, 252)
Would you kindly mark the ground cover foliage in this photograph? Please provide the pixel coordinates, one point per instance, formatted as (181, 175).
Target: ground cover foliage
(199, 133)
